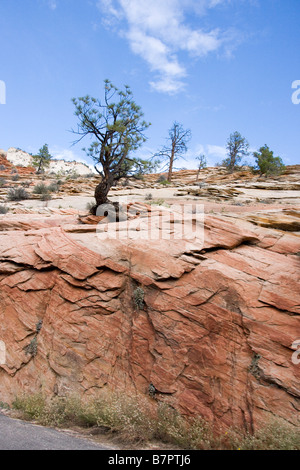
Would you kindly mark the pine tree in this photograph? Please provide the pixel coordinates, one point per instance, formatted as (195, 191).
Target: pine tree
(42, 159)
(237, 147)
(116, 127)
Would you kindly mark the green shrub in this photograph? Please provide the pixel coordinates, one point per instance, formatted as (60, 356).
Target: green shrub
(3, 209)
(162, 179)
(73, 176)
(53, 187)
(45, 197)
(275, 435)
(130, 418)
(139, 176)
(266, 163)
(31, 405)
(158, 202)
(17, 194)
(138, 297)
(31, 348)
(188, 433)
(40, 188)
(90, 205)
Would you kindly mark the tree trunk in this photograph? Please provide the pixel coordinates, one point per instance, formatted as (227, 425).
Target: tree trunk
(101, 192)
(39, 170)
(171, 165)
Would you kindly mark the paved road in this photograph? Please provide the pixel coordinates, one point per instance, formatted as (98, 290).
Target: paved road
(20, 435)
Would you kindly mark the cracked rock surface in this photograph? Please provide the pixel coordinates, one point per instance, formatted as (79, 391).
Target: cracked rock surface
(213, 331)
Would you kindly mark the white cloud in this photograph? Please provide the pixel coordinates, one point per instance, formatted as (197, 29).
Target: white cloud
(67, 155)
(159, 31)
(52, 4)
(216, 150)
(213, 153)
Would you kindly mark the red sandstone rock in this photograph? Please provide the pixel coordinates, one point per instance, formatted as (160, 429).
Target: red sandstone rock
(214, 335)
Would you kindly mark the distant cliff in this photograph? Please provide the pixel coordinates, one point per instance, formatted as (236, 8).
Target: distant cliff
(20, 158)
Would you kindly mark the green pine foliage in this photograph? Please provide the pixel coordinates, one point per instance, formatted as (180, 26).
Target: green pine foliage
(42, 160)
(266, 163)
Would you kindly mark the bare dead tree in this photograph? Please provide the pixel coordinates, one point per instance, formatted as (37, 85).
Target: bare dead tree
(176, 146)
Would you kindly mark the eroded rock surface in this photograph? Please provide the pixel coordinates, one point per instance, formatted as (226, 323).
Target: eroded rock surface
(212, 331)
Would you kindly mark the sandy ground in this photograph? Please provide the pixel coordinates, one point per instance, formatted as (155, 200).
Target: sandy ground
(250, 200)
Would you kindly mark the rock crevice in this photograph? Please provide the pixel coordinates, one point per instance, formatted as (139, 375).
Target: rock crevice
(213, 336)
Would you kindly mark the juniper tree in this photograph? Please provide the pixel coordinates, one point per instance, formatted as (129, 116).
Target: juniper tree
(266, 163)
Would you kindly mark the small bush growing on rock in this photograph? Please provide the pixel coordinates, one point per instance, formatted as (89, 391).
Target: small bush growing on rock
(73, 176)
(53, 187)
(31, 348)
(17, 194)
(89, 206)
(138, 297)
(40, 188)
(3, 209)
(158, 202)
(161, 179)
(45, 197)
(39, 326)
(2, 182)
(138, 176)
(15, 177)
(148, 197)
(254, 367)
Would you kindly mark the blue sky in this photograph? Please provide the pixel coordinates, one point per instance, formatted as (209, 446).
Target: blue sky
(215, 66)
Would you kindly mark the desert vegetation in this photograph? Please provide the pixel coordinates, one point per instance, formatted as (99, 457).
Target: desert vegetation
(131, 421)
(116, 127)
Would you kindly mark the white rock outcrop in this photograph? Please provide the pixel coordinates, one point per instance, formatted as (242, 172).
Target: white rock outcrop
(20, 158)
